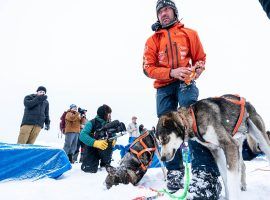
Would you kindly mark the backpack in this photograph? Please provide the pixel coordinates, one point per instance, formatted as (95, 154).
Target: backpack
(63, 122)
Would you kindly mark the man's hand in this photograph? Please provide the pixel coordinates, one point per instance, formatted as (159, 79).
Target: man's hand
(198, 72)
(47, 127)
(200, 67)
(42, 97)
(181, 73)
(100, 144)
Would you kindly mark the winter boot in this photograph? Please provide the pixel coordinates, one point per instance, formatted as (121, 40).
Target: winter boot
(70, 158)
(204, 186)
(75, 156)
(81, 158)
(175, 180)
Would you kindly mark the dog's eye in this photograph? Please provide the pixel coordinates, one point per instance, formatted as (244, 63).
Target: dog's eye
(164, 140)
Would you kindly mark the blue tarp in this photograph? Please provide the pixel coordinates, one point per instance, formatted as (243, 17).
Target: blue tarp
(24, 161)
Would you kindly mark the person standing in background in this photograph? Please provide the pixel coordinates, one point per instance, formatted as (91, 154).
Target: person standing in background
(133, 130)
(80, 144)
(72, 131)
(36, 113)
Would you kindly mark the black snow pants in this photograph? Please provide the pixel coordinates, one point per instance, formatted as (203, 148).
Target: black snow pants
(93, 157)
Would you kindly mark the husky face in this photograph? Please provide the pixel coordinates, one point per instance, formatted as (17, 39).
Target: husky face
(171, 134)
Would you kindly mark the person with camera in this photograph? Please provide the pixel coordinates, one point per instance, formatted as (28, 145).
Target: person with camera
(98, 151)
(36, 113)
(80, 144)
(72, 131)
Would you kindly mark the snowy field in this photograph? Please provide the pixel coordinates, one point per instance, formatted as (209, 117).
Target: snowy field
(99, 44)
(75, 184)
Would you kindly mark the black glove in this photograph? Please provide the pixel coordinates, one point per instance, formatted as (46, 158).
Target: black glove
(47, 127)
(156, 26)
(42, 97)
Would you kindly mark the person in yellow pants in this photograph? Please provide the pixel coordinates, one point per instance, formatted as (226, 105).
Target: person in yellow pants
(36, 113)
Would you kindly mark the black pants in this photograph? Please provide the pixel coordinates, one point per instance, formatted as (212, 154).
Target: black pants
(92, 157)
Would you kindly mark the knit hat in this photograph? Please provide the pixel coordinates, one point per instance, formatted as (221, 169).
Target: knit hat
(103, 111)
(72, 106)
(164, 3)
(141, 127)
(42, 88)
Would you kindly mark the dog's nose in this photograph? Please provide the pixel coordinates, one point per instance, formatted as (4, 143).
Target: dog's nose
(163, 158)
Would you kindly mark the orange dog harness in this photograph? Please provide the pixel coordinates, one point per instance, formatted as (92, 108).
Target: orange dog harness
(241, 103)
(146, 149)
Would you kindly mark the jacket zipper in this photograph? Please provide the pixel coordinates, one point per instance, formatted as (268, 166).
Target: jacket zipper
(177, 62)
(166, 51)
(170, 41)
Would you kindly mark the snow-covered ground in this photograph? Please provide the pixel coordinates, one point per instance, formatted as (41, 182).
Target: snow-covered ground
(100, 44)
(75, 184)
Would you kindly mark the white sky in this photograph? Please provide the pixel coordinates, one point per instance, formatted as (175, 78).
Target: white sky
(90, 53)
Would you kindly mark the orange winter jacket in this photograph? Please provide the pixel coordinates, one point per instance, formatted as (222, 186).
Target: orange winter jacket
(73, 122)
(169, 49)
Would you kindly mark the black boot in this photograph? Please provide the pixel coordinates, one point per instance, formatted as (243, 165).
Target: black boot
(204, 186)
(175, 180)
(70, 158)
(81, 158)
(75, 156)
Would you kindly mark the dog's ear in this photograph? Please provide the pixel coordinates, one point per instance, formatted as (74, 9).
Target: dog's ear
(111, 169)
(178, 118)
(181, 122)
(167, 122)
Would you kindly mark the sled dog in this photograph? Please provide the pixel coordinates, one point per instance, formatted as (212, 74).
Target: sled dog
(221, 124)
(134, 164)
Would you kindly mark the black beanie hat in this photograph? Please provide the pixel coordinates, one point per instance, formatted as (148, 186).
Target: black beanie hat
(164, 3)
(42, 88)
(141, 127)
(103, 111)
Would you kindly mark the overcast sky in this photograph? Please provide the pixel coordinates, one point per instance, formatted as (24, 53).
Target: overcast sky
(90, 52)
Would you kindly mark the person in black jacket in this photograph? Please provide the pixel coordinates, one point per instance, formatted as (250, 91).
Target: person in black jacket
(36, 113)
(97, 151)
(266, 6)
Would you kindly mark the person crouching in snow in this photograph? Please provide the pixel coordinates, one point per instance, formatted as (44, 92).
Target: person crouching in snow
(97, 150)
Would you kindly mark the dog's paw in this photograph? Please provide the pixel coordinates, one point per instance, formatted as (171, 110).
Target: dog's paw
(243, 188)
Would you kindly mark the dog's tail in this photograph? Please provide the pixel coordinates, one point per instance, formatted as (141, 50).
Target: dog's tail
(256, 134)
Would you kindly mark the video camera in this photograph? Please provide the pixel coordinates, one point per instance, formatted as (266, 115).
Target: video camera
(109, 130)
(82, 111)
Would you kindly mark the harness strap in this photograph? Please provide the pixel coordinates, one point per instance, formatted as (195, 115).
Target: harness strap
(194, 125)
(242, 103)
(146, 149)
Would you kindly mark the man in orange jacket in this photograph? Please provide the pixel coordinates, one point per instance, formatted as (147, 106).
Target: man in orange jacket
(174, 57)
